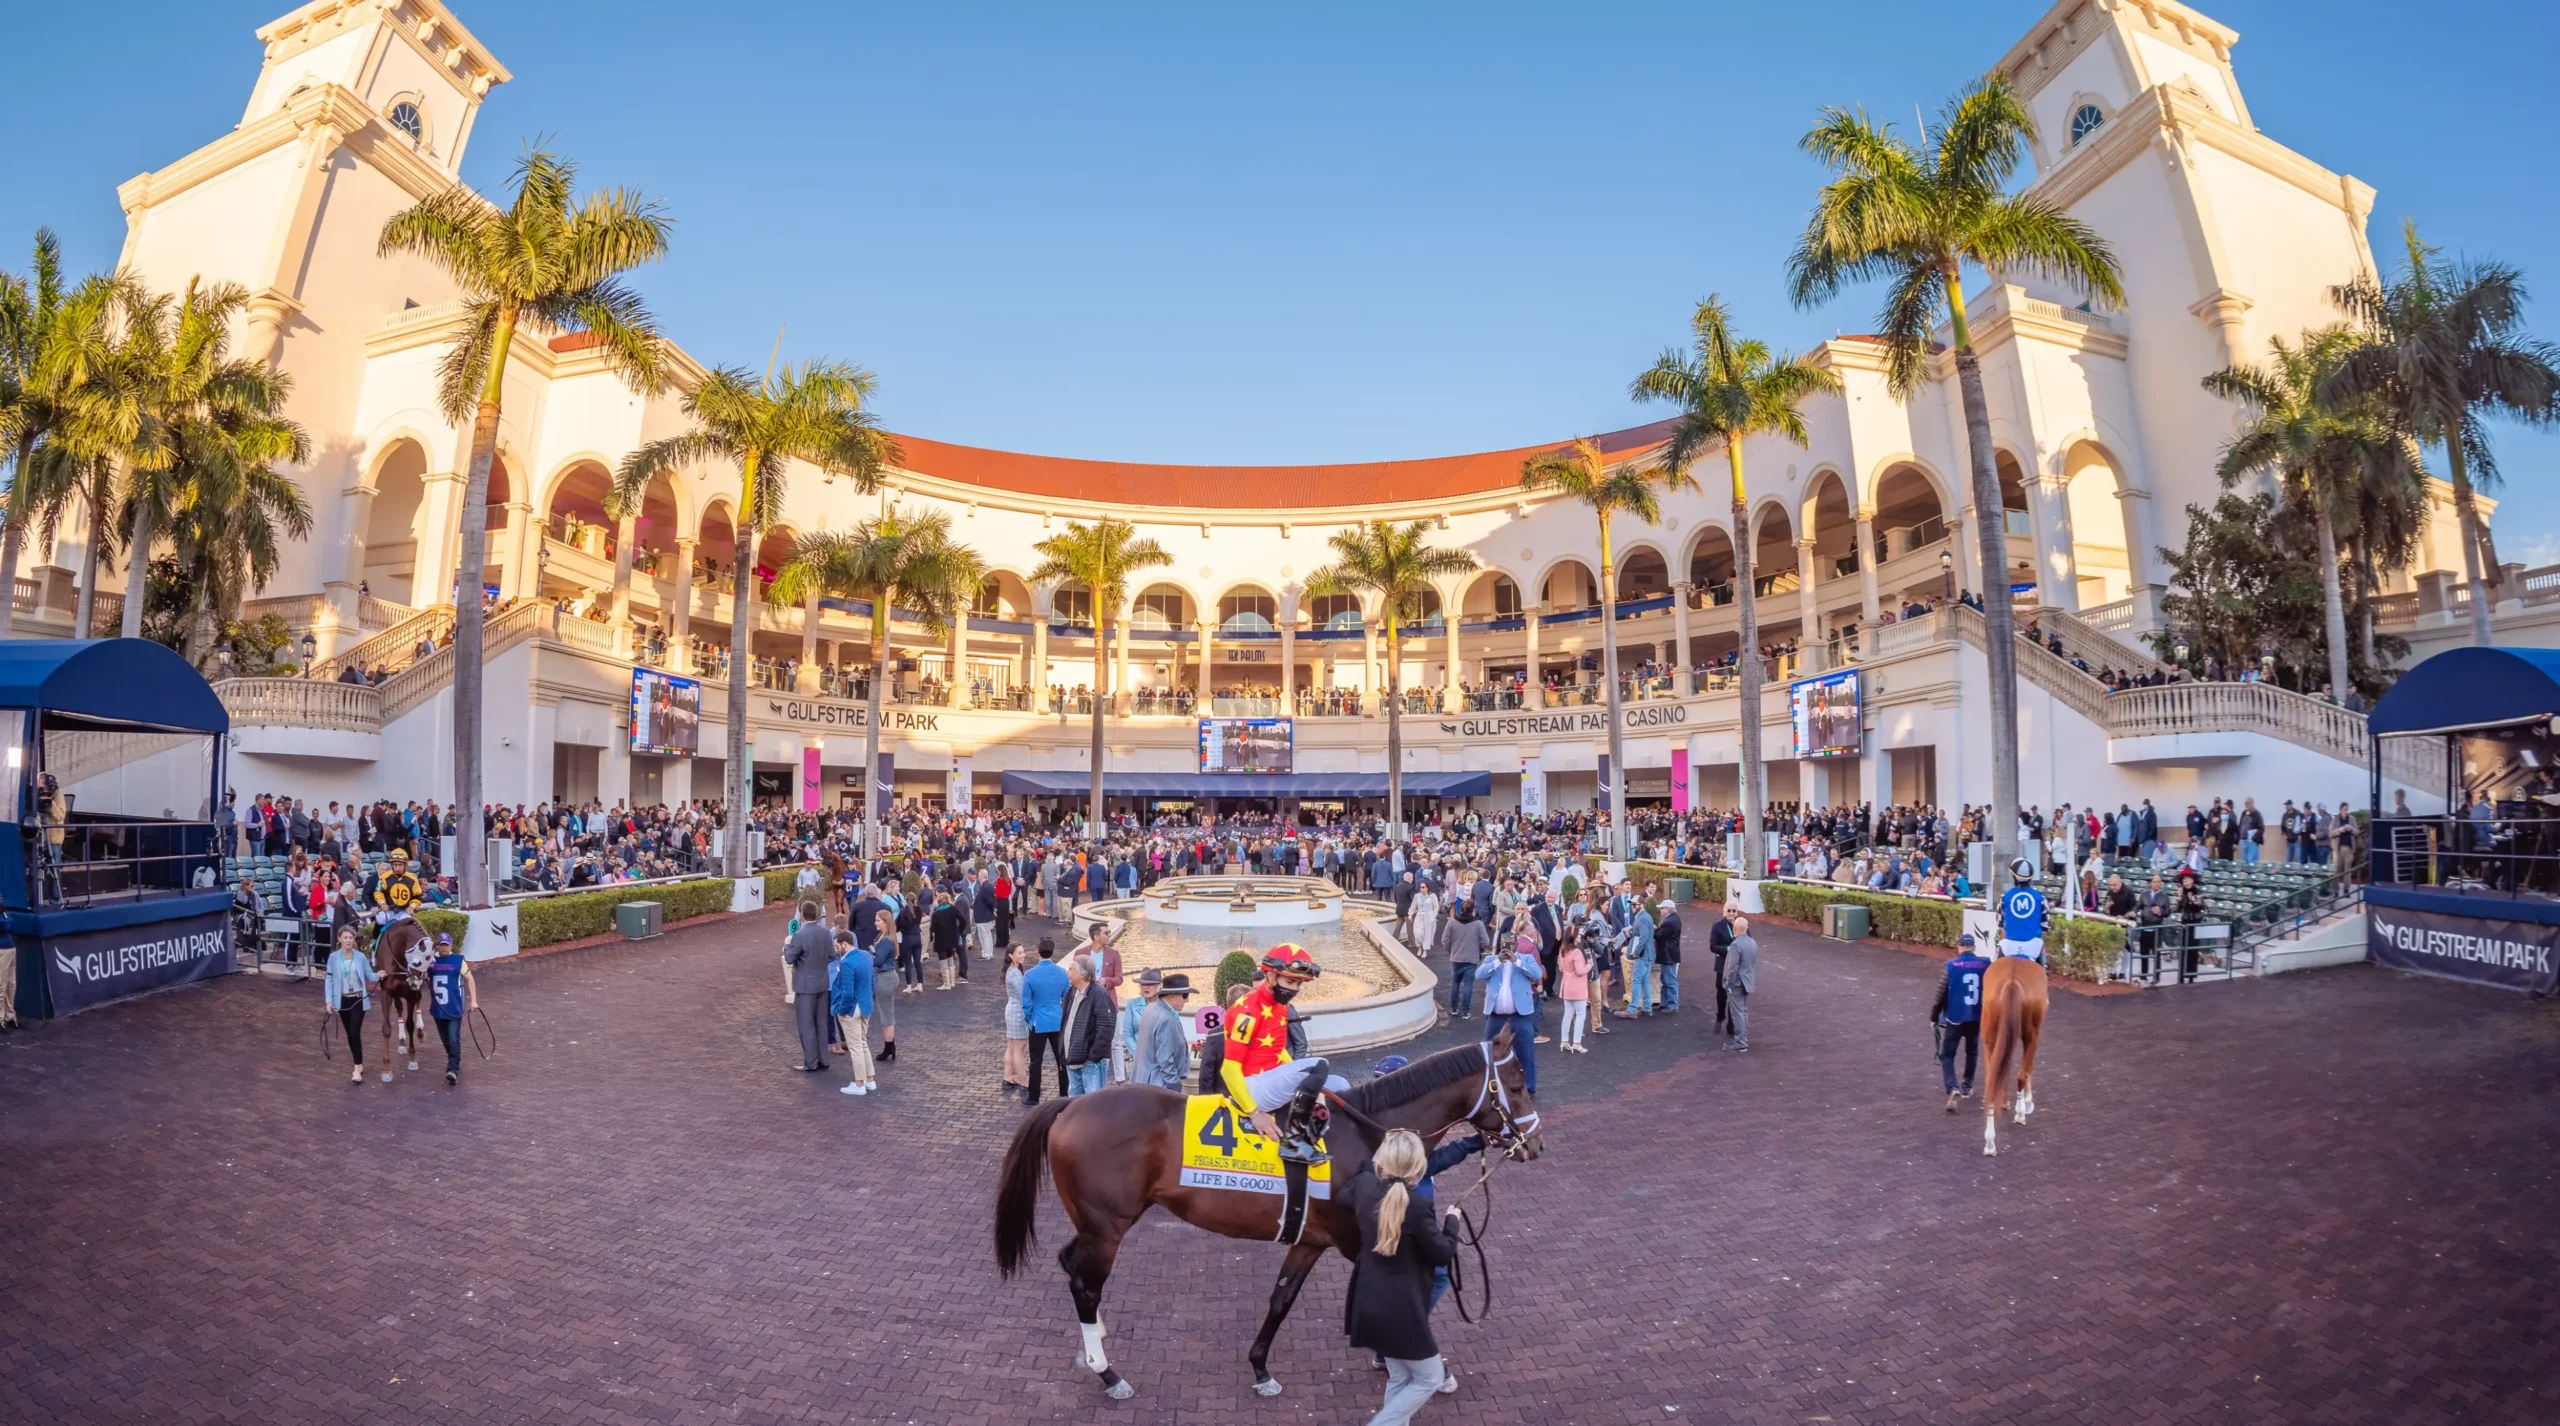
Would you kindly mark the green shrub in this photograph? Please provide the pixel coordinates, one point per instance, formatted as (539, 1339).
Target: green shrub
(1572, 887)
(2074, 949)
(1235, 968)
(550, 920)
(2083, 950)
(447, 923)
(688, 899)
(778, 884)
(1709, 883)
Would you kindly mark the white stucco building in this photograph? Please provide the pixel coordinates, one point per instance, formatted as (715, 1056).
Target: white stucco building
(2226, 235)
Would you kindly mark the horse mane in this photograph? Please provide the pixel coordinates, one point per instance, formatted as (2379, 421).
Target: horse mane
(1401, 1087)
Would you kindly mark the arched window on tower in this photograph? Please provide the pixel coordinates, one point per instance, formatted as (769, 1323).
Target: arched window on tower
(2085, 121)
(405, 117)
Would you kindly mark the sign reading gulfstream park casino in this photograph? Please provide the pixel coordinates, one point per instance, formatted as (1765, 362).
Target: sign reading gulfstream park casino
(1580, 720)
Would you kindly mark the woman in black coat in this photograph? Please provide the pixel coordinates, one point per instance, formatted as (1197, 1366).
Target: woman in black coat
(1388, 1308)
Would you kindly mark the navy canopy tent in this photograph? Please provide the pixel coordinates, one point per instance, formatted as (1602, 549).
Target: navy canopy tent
(2461, 689)
(2474, 894)
(1300, 785)
(100, 902)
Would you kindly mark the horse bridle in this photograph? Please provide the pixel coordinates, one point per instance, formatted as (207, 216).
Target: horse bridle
(1513, 1136)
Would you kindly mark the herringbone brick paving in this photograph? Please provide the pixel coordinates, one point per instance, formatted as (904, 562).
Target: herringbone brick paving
(2322, 1198)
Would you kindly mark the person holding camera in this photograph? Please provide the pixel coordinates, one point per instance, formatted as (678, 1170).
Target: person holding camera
(1511, 998)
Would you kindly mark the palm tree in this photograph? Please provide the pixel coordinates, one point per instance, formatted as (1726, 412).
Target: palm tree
(1581, 472)
(202, 413)
(1392, 565)
(815, 414)
(543, 264)
(1914, 215)
(901, 560)
(233, 514)
(2320, 453)
(1101, 557)
(30, 313)
(1729, 390)
(98, 375)
(2442, 353)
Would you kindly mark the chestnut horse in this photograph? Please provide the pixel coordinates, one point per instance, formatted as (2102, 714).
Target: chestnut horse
(400, 956)
(2013, 1005)
(1113, 1154)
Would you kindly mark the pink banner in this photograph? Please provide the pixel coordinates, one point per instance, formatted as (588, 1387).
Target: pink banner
(812, 782)
(1679, 780)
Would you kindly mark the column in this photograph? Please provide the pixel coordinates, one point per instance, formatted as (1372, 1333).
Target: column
(1806, 609)
(2057, 565)
(1534, 693)
(680, 627)
(1039, 679)
(439, 538)
(1288, 663)
(961, 696)
(1686, 678)
(1119, 656)
(1968, 542)
(515, 579)
(1372, 689)
(1870, 608)
(623, 532)
(1451, 700)
(805, 680)
(1208, 656)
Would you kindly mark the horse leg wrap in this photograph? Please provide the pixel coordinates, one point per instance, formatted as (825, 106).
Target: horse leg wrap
(1094, 1360)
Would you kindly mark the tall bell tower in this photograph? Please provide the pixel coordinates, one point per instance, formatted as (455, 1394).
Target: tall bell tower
(410, 62)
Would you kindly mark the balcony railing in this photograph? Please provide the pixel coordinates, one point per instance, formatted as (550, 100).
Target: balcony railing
(301, 703)
(1329, 703)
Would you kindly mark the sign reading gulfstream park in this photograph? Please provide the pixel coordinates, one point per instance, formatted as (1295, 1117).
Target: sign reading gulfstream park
(86, 968)
(849, 715)
(2516, 954)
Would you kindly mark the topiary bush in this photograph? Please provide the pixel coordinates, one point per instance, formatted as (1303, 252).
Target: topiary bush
(1235, 968)
(1709, 882)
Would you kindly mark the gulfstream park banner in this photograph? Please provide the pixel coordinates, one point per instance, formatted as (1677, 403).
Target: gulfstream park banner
(2520, 955)
(89, 968)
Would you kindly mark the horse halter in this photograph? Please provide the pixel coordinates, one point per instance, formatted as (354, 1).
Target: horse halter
(1514, 1134)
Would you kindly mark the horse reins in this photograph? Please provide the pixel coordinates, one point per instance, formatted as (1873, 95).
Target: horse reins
(1512, 1138)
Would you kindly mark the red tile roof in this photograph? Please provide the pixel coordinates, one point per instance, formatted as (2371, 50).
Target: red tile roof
(1246, 487)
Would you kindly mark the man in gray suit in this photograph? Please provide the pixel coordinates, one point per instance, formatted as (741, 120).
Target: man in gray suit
(1741, 976)
(808, 953)
(1164, 1037)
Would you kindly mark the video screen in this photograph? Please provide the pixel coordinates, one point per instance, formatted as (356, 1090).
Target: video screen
(666, 714)
(1825, 713)
(1246, 744)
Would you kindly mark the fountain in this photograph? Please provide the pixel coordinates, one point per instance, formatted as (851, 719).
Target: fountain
(1372, 992)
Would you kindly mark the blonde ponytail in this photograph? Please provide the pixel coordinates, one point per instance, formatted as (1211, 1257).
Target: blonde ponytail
(1399, 1160)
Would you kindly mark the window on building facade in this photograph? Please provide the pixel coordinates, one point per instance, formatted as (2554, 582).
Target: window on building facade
(1248, 613)
(406, 118)
(1336, 611)
(2085, 121)
(1506, 596)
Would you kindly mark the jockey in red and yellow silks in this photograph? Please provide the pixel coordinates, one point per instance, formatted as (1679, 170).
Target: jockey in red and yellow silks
(1256, 1069)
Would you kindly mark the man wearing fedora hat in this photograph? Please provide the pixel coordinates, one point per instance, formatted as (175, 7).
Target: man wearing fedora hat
(1164, 1037)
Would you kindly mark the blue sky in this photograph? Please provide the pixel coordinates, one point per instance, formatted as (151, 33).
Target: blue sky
(1269, 234)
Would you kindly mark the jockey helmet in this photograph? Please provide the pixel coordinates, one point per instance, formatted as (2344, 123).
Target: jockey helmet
(1290, 959)
(399, 854)
(2022, 871)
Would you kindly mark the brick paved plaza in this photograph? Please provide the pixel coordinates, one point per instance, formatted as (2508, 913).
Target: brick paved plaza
(2324, 1198)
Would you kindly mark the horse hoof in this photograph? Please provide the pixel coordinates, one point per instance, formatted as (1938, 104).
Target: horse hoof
(1989, 1152)
(1268, 1386)
(386, 1076)
(1120, 1390)
(413, 1065)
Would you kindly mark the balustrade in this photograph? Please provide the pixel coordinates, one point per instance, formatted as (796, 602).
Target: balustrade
(301, 703)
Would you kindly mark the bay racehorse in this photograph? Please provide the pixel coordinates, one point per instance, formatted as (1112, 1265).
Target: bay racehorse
(2013, 1006)
(400, 956)
(1114, 1154)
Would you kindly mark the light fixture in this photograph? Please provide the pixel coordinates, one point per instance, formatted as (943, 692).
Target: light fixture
(2180, 651)
(310, 651)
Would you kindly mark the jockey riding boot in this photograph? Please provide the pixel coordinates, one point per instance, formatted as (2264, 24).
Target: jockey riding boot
(1305, 1127)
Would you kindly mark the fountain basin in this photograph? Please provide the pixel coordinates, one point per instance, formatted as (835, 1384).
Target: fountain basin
(1220, 902)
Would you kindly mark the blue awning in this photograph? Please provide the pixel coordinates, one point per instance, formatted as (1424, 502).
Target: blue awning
(1245, 784)
(2471, 688)
(130, 680)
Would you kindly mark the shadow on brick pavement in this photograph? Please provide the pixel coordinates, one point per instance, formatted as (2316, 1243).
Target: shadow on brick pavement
(2325, 1197)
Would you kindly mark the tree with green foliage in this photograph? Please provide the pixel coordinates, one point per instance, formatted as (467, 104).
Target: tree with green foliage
(1100, 557)
(2247, 583)
(2443, 351)
(898, 560)
(1583, 473)
(817, 414)
(1913, 215)
(544, 263)
(1730, 389)
(1394, 567)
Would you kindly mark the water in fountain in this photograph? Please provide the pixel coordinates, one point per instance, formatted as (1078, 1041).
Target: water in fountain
(1353, 967)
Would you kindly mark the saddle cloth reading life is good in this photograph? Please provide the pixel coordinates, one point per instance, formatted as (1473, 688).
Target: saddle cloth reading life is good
(1220, 1150)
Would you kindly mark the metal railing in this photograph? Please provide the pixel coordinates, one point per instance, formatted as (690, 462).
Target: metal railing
(81, 864)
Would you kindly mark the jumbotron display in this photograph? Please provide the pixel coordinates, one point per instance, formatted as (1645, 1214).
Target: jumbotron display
(666, 714)
(1826, 717)
(1246, 744)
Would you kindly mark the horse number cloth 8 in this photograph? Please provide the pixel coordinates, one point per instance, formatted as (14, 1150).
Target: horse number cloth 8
(1220, 1150)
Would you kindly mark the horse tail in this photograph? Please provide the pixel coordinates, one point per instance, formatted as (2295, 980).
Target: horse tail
(1017, 1197)
(2008, 1035)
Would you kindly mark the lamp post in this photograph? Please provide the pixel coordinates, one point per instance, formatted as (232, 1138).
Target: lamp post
(2179, 652)
(1947, 574)
(2266, 665)
(310, 651)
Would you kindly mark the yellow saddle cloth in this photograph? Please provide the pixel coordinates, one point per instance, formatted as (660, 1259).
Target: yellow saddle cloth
(1220, 1150)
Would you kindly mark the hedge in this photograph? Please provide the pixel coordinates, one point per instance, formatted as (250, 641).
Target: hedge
(1235, 968)
(550, 920)
(2076, 949)
(1708, 881)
